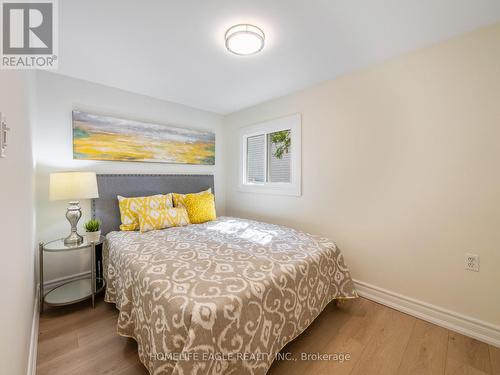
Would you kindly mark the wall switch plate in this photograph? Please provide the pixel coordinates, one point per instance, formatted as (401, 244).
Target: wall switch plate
(3, 136)
(472, 262)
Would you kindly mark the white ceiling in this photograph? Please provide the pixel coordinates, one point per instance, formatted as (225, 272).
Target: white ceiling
(174, 50)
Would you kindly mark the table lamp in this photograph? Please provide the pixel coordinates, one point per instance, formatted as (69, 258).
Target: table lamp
(72, 186)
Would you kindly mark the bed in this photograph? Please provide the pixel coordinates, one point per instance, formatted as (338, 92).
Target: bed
(223, 297)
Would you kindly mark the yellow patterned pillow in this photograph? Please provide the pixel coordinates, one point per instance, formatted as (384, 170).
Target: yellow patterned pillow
(200, 207)
(153, 218)
(130, 208)
(179, 198)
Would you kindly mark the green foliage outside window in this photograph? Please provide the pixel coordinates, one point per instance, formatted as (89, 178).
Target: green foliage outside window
(282, 141)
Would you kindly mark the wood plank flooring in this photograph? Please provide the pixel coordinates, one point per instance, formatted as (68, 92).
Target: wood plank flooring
(78, 340)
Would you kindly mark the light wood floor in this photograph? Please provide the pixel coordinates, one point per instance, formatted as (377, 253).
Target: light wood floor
(78, 340)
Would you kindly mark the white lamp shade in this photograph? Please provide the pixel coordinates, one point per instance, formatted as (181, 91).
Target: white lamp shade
(73, 186)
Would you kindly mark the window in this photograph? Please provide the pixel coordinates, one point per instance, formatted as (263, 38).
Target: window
(270, 157)
(256, 167)
(279, 161)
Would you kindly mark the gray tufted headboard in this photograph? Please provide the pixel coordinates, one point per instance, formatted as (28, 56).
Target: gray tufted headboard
(137, 185)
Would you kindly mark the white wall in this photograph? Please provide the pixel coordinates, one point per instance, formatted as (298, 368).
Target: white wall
(400, 166)
(17, 286)
(56, 96)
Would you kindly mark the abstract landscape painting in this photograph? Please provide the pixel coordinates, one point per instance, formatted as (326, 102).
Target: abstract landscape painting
(97, 137)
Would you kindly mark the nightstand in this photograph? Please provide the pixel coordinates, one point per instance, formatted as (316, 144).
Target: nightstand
(75, 290)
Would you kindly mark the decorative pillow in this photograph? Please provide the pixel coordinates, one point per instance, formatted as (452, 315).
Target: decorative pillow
(200, 207)
(153, 218)
(130, 208)
(179, 198)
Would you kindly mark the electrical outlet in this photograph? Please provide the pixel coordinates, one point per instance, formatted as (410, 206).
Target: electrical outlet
(472, 262)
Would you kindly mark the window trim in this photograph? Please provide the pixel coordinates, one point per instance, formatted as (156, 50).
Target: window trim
(293, 188)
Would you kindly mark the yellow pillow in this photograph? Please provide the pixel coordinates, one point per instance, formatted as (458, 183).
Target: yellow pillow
(153, 218)
(200, 207)
(179, 198)
(130, 208)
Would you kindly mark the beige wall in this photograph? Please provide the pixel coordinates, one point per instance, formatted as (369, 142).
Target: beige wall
(400, 166)
(17, 286)
(56, 97)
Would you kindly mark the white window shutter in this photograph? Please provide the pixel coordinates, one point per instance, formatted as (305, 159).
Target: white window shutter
(256, 170)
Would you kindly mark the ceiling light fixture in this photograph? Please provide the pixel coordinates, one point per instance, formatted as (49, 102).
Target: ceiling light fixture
(244, 39)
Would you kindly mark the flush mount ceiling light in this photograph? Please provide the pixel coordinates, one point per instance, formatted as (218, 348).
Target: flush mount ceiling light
(244, 39)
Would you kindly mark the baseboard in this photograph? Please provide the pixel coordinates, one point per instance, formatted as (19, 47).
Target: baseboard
(61, 280)
(33, 349)
(468, 326)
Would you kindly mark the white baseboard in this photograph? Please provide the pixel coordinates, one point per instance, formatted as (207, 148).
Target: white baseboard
(468, 326)
(33, 349)
(61, 280)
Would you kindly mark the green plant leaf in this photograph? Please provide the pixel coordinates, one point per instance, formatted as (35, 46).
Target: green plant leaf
(93, 225)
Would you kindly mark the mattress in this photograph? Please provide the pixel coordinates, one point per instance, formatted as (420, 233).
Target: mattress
(222, 297)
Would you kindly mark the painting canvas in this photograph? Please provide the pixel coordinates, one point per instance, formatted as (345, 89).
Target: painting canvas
(97, 137)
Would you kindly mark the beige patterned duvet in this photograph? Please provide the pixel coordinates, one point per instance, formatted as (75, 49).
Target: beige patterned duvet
(222, 297)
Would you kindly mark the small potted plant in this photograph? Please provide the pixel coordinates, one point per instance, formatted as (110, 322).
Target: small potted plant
(93, 228)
